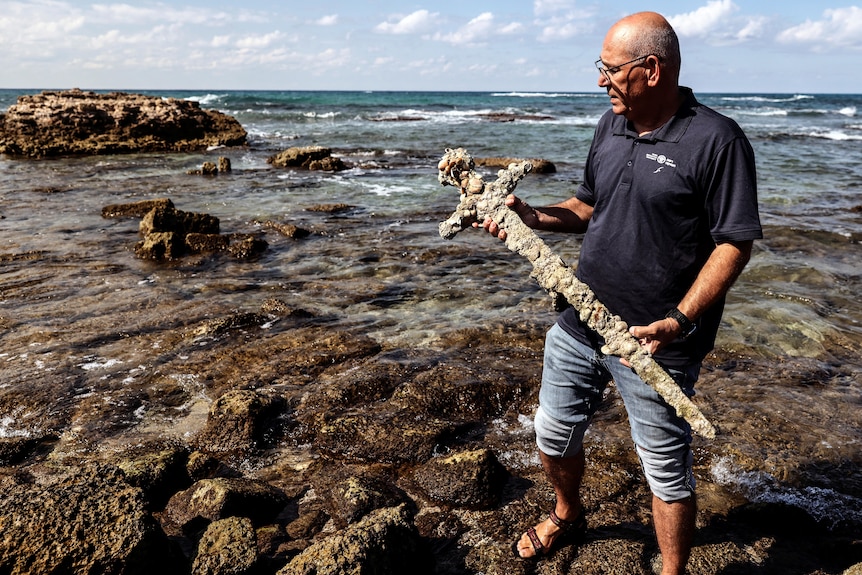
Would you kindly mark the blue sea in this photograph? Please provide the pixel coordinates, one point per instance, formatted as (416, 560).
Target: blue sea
(785, 384)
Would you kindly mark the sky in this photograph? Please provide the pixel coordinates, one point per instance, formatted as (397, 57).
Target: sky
(792, 46)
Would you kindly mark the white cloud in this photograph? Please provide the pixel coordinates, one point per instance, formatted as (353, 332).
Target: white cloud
(546, 7)
(703, 20)
(839, 27)
(23, 24)
(410, 24)
(330, 20)
(479, 30)
(127, 14)
(562, 28)
(220, 41)
(754, 28)
(259, 41)
(476, 30)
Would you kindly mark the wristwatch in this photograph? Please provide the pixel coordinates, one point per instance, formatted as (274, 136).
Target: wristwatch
(688, 327)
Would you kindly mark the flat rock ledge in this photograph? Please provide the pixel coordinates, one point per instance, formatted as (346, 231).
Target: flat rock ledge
(75, 122)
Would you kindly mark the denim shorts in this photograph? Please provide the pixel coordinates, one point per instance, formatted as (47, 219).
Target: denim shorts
(574, 378)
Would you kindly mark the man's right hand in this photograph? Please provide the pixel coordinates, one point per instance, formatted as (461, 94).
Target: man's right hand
(527, 214)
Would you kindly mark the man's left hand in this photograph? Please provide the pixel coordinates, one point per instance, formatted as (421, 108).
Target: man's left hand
(654, 336)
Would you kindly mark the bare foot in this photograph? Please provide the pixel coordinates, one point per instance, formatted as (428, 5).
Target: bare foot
(545, 532)
(539, 540)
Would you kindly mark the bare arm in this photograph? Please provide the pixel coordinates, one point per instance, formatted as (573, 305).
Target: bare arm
(712, 283)
(570, 216)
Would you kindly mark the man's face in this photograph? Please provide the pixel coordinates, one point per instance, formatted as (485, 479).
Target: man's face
(623, 74)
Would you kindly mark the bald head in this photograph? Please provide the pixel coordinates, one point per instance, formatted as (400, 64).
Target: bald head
(648, 33)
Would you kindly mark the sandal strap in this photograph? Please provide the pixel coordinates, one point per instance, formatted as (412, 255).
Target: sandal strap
(562, 523)
(534, 539)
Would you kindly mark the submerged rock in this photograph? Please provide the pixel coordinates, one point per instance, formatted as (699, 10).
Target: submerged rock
(75, 122)
(308, 157)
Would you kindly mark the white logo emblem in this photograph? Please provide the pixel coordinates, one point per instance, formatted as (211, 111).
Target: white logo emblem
(662, 160)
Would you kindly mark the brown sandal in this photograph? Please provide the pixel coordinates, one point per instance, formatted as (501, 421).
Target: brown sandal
(573, 530)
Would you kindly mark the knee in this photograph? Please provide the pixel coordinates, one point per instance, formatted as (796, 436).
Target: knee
(669, 475)
(557, 438)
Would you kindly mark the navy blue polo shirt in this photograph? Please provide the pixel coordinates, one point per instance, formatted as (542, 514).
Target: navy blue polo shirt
(661, 202)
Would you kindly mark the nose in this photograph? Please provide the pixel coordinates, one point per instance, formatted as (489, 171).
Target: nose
(603, 80)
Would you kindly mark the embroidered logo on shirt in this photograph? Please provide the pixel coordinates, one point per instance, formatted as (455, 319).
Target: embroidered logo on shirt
(662, 160)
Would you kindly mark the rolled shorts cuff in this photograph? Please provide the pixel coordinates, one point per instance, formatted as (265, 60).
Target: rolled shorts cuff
(670, 476)
(556, 438)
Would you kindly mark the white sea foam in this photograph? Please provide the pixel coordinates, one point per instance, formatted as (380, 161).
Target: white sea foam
(100, 363)
(836, 135)
(206, 99)
(7, 429)
(776, 99)
(825, 505)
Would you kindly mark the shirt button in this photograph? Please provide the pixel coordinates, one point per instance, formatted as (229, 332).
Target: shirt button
(629, 163)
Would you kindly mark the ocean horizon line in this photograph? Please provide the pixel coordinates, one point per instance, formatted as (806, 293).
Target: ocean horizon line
(394, 91)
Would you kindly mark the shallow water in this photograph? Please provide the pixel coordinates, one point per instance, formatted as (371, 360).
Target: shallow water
(81, 316)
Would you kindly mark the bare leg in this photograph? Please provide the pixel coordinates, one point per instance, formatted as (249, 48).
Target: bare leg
(565, 474)
(674, 528)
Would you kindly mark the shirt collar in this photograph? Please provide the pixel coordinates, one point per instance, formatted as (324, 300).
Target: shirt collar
(672, 130)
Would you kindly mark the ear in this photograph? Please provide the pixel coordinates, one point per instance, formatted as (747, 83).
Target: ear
(653, 70)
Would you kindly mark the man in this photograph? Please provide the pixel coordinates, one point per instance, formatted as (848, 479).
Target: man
(669, 210)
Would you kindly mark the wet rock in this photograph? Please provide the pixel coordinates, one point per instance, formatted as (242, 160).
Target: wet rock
(14, 450)
(238, 420)
(135, 209)
(76, 122)
(207, 242)
(160, 246)
(309, 158)
(385, 543)
(471, 479)
(540, 166)
(208, 500)
(308, 524)
(227, 547)
(90, 521)
(508, 117)
(287, 230)
(349, 500)
(457, 390)
(395, 437)
(170, 233)
(158, 470)
(170, 219)
(329, 208)
(211, 169)
(245, 246)
(165, 229)
(241, 246)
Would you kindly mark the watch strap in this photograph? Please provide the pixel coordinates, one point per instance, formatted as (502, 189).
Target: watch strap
(686, 325)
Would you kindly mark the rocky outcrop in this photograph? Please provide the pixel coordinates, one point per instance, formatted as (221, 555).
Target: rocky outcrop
(309, 158)
(170, 233)
(75, 122)
(86, 522)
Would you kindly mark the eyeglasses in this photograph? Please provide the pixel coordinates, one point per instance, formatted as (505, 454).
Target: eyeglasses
(608, 71)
